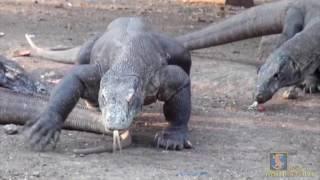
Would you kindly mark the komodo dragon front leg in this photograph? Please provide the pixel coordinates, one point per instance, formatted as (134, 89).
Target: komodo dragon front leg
(175, 91)
(63, 99)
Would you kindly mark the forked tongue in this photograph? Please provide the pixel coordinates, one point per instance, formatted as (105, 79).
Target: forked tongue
(116, 141)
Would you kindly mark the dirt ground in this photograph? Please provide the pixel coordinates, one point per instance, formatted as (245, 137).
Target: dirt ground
(229, 141)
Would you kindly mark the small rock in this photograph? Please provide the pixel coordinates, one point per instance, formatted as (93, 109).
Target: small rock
(36, 174)
(2, 34)
(11, 129)
(291, 93)
(200, 19)
(60, 5)
(312, 118)
(82, 155)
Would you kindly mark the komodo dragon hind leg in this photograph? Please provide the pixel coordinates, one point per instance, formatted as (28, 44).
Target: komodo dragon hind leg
(175, 92)
(84, 54)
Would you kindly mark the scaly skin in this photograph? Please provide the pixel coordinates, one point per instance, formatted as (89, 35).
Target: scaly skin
(310, 84)
(19, 108)
(67, 56)
(297, 49)
(14, 77)
(128, 66)
(291, 63)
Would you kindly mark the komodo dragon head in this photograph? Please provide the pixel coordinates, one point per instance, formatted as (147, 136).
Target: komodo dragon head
(277, 72)
(120, 100)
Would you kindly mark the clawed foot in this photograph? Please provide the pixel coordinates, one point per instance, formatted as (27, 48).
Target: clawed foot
(310, 84)
(43, 131)
(173, 139)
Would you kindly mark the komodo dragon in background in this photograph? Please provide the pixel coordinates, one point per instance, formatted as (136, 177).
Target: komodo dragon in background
(126, 67)
(294, 58)
(297, 51)
(311, 83)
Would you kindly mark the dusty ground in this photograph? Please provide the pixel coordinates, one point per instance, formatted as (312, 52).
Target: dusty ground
(230, 142)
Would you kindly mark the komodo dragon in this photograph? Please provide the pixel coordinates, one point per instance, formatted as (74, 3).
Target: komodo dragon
(128, 66)
(310, 83)
(297, 50)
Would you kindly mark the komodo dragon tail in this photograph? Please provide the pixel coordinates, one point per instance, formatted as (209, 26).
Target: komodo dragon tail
(257, 21)
(17, 108)
(66, 55)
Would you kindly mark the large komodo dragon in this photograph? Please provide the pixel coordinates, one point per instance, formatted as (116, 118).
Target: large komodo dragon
(128, 66)
(297, 51)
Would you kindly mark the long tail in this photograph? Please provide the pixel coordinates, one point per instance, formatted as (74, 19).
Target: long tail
(257, 21)
(17, 108)
(67, 56)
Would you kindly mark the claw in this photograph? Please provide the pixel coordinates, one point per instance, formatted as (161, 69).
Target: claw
(27, 125)
(172, 140)
(156, 137)
(158, 143)
(179, 147)
(32, 131)
(188, 144)
(56, 137)
(167, 145)
(46, 139)
(174, 146)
